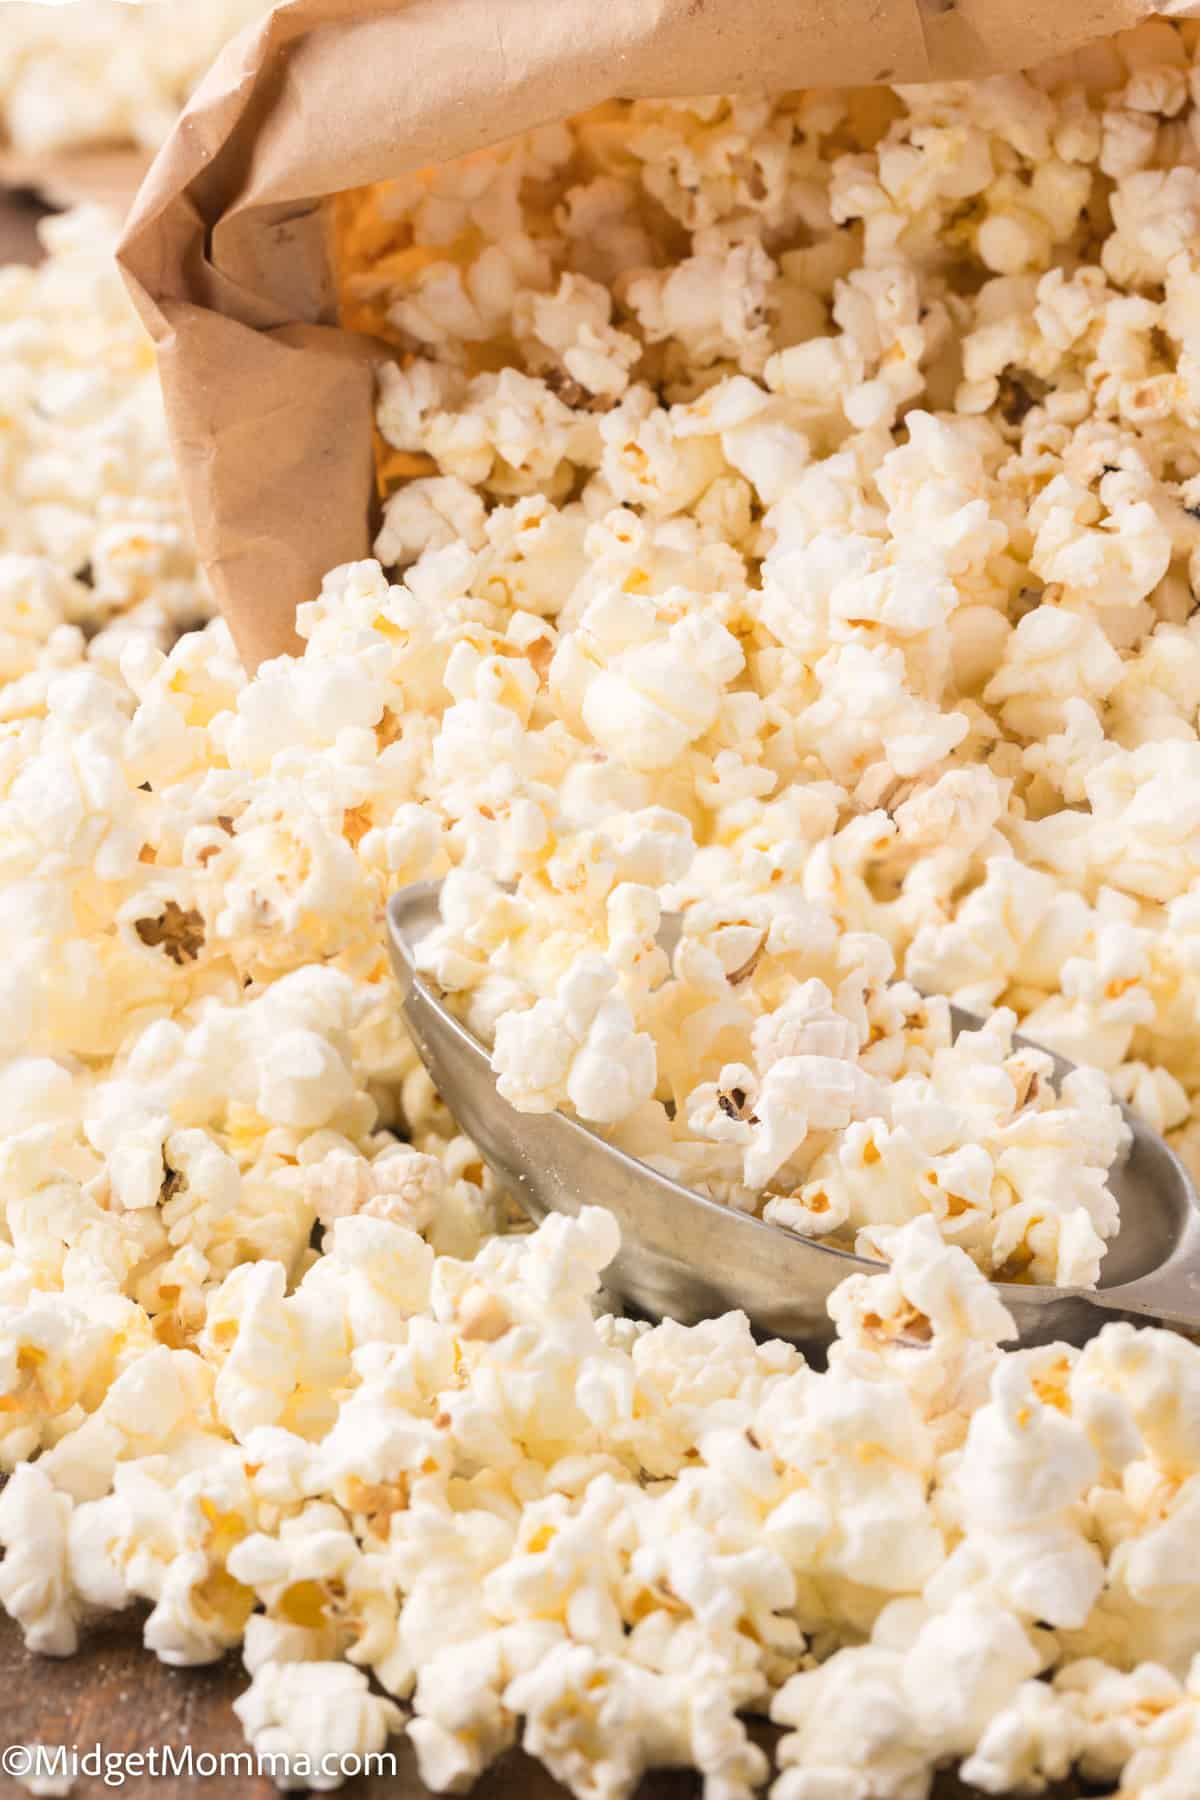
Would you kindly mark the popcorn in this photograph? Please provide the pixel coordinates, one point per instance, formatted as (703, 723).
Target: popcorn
(34, 1584)
(883, 1754)
(597, 1722)
(916, 1710)
(1153, 214)
(580, 1047)
(428, 515)
(713, 304)
(1165, 1763)
(105, 76)
(785, 628)
(574, 326)
(313, 1714)
(53, 1357)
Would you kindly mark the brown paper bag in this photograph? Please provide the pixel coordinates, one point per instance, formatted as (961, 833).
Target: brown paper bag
(227, 252)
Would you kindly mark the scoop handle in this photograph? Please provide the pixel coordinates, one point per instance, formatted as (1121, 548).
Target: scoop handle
(1170, 1293)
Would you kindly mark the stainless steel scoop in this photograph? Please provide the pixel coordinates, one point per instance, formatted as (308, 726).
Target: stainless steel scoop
(689, 1258)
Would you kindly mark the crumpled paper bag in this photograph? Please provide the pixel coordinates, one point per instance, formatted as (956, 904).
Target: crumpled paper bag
(227, 251)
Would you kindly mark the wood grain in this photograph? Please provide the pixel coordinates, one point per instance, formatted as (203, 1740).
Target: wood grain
(116, 1694)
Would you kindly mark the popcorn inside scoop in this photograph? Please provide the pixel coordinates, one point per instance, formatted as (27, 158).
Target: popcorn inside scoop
(790, 525)
(804, 1085)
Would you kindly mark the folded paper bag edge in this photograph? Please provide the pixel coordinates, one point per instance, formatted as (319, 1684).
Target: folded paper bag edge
(273, 441)
(268, 525)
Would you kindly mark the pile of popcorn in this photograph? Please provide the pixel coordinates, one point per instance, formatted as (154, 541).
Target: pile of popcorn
(95, 74)
(790, 526)
(794, 507)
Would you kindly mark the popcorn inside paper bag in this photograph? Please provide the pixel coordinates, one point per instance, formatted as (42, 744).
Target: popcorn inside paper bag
(229, 256)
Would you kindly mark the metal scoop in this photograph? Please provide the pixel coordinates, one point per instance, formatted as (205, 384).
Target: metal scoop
(688, 1258)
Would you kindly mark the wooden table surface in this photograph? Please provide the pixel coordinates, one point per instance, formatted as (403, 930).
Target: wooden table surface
(113, 1692)
(19, 213)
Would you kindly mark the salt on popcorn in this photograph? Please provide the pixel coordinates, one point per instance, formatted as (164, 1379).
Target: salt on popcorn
(789, 527)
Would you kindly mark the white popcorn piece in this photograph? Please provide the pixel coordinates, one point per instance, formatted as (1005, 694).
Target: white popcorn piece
(428, 515)
(315, 1713)
(35, 1587)
(574, 326)
(579, 1046)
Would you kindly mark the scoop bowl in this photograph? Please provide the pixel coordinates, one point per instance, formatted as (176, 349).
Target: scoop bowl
(686, 1257)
